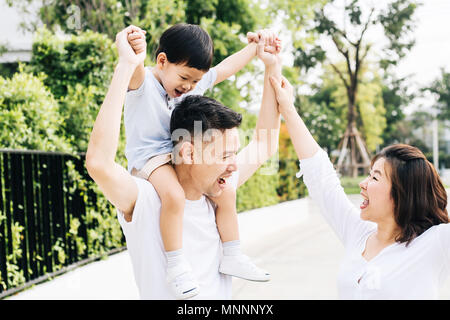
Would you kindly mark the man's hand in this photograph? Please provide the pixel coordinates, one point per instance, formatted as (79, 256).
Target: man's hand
(126, 52)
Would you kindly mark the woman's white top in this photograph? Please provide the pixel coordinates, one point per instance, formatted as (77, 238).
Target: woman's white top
(397, 272)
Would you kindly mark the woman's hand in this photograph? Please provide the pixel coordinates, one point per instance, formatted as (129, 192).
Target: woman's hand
(284, 93)
(126, 52)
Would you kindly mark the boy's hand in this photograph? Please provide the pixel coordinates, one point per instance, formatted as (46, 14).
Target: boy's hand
(126, 53)
(137, 41)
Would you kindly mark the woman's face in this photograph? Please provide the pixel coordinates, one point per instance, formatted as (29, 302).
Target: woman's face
(378, 205)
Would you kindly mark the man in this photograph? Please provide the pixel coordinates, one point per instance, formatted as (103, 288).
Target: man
(203, 168)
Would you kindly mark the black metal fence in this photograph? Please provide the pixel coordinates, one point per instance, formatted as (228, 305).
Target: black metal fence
(39, 208)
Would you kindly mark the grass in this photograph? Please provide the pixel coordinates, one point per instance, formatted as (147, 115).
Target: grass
(351, 185)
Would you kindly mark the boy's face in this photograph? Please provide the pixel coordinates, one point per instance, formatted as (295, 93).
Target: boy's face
(178, 79)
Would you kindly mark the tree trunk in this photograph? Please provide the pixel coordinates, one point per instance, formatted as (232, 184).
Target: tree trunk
(353, 153)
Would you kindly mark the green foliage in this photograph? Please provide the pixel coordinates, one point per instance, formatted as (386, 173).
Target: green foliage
(395, 99)
(351, 185)
(15, 274)
(78, 70)
(259, 191)
(52, 103)
(104, 231)
(289, 186)
(325, 111)
(441, 89)
(244, 13)
(372, 111)
(323, 114)
(398, 23)
(87, 59)
(346, 29)
(29, 113)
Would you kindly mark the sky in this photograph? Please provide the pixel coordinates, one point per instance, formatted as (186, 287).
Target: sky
(431, 52)
(432, 49)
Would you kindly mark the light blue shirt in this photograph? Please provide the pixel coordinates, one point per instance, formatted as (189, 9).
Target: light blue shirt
(147, 118)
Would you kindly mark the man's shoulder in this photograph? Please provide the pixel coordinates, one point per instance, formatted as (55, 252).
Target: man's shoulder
(146, 191)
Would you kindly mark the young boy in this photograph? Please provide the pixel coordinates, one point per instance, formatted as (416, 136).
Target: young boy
(183, 61)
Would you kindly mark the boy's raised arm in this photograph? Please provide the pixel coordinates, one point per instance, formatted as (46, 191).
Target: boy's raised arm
(112, 178)
(138, 77)
(234, 63)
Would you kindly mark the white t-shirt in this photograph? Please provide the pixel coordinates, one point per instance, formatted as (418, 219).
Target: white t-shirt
(147, 114)
(201, 245)
(397, 272)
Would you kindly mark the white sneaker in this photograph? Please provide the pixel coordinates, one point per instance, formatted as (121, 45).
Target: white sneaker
(242, 267)
(182, 282)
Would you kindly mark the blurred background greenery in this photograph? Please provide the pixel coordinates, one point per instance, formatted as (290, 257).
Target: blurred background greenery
(50, 102)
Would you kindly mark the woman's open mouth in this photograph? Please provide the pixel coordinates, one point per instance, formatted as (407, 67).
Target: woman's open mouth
(364, 205)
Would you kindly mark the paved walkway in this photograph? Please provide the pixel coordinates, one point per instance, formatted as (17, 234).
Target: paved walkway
(290, 239)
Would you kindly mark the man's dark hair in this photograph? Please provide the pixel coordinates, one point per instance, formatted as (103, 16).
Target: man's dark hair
(187, 44)
(211, 113)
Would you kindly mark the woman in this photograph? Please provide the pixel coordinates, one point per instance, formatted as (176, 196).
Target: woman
(397, 246)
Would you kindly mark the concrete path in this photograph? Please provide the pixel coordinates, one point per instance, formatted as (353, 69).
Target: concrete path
(290, 239)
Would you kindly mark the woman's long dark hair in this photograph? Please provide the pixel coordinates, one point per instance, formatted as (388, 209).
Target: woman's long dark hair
(420, 199)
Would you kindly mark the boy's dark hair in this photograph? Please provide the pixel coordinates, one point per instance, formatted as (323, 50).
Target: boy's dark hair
(211, 113)
(187, 44)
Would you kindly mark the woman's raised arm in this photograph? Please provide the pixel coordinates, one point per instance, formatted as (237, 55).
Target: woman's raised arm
(304, 143)
(319, 175)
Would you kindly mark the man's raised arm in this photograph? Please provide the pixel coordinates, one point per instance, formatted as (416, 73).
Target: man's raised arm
(264, 142)
(113, 180)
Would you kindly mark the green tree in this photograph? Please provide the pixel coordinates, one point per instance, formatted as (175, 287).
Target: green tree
(347, 34)
(440, 87)
(78, 69)
(323, 115)
(395, 98)
(29, 113)
(325, 111)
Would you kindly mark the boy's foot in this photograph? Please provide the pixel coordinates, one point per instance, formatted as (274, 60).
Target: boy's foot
(242, 267)
(182, 281)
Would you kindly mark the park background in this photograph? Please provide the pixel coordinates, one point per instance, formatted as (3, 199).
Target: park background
(57, 58)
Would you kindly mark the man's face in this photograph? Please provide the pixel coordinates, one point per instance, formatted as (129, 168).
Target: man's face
(215, 161)
(178, 79)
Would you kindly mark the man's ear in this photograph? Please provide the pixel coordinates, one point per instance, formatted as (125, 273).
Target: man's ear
(186, 152)
(161, 60)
